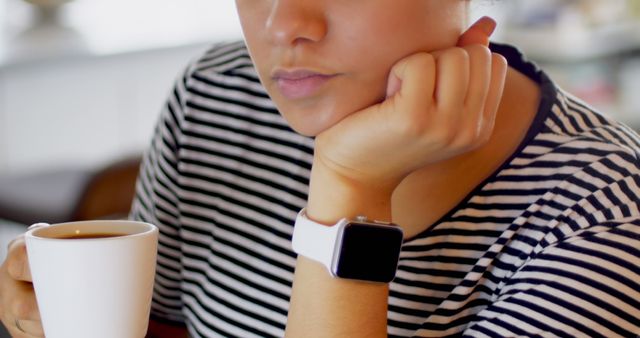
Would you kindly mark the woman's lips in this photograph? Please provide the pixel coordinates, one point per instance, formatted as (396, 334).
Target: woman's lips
(299, 84)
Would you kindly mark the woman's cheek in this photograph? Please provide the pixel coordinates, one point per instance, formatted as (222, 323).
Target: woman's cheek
(340, 99)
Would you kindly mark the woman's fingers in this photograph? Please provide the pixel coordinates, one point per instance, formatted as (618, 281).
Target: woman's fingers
(24, 305)
(452, 81)
(494, 96)
(479, 82)
(408, 107)
(17, 262)
(19, 309)
(479, 75)
(478, 33)
(27, 329)
(416, 74)
(458, 79)
(25, 311)
(464, 76)
(444, 96)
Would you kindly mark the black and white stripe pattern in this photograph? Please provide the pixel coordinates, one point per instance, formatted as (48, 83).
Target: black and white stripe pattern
(547, 246)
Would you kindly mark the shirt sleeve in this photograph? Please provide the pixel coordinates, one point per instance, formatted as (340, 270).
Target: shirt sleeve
(156, 201)
(588, 286)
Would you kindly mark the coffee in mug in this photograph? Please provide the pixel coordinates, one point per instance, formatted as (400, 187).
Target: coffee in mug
(89, 236)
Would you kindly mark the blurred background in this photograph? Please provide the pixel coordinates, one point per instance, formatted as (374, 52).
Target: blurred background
(82, 83)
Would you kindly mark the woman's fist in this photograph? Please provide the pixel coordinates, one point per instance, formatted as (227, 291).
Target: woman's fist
(439, 105)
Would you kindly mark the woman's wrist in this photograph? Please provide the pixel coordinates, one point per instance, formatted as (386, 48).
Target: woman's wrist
(333, 196)
(324, 306)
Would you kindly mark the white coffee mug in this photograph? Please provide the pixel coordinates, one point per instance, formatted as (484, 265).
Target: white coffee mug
(89, 286)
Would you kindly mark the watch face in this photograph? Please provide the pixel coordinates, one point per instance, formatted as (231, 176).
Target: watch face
(369, 252)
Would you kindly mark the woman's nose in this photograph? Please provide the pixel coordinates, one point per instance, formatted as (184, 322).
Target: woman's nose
(292, 22)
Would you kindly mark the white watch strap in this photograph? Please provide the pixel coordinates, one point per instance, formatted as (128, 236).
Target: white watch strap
(314, 240)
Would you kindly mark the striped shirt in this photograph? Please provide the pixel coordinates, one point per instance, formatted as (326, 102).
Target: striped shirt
(548, 245)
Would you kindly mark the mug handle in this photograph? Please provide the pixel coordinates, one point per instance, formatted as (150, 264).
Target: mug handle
(38, 225)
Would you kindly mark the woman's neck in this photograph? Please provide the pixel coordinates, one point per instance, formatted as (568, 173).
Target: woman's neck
(428, 194)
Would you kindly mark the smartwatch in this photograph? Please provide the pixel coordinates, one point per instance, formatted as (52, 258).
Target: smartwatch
(353, 249)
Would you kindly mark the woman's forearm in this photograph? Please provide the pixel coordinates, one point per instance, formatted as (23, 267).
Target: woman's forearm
(323, 306)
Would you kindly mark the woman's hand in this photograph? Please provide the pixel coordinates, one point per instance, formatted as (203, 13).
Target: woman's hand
(439, 105)
(17, 300)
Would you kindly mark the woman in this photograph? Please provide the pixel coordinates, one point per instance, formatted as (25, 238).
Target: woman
(518, 203)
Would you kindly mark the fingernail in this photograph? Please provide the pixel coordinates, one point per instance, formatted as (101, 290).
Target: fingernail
(487, 25)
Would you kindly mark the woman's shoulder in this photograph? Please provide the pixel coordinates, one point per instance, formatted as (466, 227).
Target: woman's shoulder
(220, 62)
(225, 72)
(223, 81)
(576, 122)
(223, 57)
(218, 96)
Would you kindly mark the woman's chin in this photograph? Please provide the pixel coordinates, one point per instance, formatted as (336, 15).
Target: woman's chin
(308, 129)
(310, 122)
(312, 117)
